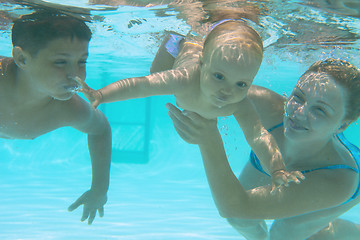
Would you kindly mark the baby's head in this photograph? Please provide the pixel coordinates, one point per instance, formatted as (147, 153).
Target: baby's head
(231, 58)
(33, 32)
(234, 34)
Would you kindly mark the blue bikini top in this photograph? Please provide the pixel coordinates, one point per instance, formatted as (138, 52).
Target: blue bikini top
(353, 150)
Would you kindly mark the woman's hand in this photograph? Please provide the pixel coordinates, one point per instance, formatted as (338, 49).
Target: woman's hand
(92, 95)
(191, 127)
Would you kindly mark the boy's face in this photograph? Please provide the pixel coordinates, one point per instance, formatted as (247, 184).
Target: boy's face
(227, 74)
(53, 68)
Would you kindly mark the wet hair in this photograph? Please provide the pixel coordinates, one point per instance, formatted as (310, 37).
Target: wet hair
(34, 31)
(237, 32)
(347, 76)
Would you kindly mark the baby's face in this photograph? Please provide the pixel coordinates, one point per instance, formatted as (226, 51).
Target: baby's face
(227, 74)
(53, 69)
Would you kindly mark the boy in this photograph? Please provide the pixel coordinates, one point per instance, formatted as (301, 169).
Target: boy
(211, 79)
(37, 93)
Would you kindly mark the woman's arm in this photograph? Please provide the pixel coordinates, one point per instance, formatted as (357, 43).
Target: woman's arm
(233, 201)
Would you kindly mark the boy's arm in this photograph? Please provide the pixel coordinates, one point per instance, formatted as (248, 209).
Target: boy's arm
(163, 83)
(93, 122)
(263, 144)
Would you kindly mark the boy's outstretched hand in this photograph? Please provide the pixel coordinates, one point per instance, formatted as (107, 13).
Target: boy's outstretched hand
(92, 95)
(92, 202)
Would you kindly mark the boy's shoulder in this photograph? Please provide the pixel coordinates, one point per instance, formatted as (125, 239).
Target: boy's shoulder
(79, 114)
(73, 110)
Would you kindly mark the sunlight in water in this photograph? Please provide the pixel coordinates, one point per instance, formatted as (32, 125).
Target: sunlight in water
(158, 187)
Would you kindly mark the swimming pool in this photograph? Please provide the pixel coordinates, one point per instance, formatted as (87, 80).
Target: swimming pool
(158, 188)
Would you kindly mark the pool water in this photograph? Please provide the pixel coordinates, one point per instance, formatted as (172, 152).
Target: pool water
(158, 188)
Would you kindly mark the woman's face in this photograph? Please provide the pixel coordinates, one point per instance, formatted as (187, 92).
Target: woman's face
(315, 109)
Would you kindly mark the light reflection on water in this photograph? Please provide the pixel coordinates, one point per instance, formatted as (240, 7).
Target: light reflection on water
(148, 207)
(166, 199)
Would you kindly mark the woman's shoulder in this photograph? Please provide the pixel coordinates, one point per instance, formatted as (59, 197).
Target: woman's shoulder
(335, 169)
(346, 152)
(268, 104)
(257, 93)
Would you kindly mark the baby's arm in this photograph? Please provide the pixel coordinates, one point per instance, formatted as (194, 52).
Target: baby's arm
(264, 145)
(92, 122)
(164, 83)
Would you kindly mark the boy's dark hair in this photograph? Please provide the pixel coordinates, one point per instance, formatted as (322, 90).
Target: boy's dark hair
(34, 31)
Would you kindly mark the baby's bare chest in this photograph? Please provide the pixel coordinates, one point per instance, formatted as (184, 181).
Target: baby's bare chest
(204, 108)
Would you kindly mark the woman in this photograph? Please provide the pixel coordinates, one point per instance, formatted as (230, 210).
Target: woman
(308, 130)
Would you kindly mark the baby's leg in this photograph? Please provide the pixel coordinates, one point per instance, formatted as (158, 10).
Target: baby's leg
(250, 229)
(163, 59)
(339, 229)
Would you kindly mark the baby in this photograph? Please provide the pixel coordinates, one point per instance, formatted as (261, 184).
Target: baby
(211, 79)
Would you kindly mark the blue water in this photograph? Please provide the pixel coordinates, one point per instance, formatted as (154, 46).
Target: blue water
(158, 188)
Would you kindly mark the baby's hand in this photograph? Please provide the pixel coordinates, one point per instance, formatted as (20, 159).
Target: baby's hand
(92, 202)
(92, 95)
(282, 177)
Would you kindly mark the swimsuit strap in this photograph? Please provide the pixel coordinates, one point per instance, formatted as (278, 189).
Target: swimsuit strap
(254, 160)
(337, 166)
(355, 153)
(225, 20)
(275, 127)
